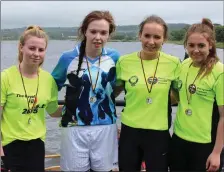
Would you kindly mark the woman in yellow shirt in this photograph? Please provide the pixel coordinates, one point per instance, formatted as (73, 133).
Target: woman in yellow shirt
(197, 141)
(26, 92)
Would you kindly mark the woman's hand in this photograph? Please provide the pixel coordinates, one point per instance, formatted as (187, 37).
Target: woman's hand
(213, 162)
(1, 151)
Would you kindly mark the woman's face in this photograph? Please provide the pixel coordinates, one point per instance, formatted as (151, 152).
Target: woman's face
(97, 34)
(33, 50)
(198, 47)
(152, 38)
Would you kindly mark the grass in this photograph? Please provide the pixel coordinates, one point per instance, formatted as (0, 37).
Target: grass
(220, 45)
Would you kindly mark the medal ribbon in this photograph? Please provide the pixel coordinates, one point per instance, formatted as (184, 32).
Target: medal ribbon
(35, 98)
(93, 88)
(187, 88)
(151, 85)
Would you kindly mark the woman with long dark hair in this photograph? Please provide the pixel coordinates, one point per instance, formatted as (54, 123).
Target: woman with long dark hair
(89, 130)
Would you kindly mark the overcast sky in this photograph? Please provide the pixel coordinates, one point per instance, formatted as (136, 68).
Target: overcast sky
(71, 13)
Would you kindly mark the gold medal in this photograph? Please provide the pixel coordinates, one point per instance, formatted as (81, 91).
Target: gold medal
(92, 99)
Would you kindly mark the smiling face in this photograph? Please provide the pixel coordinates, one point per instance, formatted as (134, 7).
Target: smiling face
(97, 35)
(152, 38)
(33, 51)
(198, 47)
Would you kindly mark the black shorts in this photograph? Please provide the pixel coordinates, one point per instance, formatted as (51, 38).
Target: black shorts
(189, 156)
(137, 145)
(24, 155)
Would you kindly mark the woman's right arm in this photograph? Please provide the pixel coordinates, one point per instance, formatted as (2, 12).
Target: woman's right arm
(4, 91)
(1, 150)
(59, 73)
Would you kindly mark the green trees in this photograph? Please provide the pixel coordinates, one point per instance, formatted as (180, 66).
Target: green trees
(125, 36)
(123, 33)
(219, 30)
(178, 35)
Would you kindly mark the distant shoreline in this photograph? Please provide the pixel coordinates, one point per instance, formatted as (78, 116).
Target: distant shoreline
(218, 44)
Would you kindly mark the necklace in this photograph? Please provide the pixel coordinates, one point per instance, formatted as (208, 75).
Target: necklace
(93, 99)
(191, 89)
(151, 81)
(30, 110)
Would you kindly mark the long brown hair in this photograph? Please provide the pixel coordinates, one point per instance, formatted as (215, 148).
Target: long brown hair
(207, 29)
(31, 31)
(94, 15)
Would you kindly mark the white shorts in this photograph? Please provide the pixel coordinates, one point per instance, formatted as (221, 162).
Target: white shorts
(89, 147)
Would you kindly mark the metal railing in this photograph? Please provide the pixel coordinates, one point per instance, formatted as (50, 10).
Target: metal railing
(118, 102)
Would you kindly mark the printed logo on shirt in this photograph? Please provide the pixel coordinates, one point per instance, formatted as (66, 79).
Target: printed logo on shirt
(177, 84)
(34, 110)
(163, 81)
(30, 100)
(133, 80)
(202, 92)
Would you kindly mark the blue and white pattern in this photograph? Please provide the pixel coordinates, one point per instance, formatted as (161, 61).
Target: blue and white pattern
(102, 111)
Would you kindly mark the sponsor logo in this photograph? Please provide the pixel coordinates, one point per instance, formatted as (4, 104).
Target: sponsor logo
(133, 80)
(177, 84)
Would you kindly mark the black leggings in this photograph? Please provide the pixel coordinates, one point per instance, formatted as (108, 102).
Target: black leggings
(188, 156)
(25, 155)
(137, 145)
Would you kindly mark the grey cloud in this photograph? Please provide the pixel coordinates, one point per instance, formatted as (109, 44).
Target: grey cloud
(70, 13)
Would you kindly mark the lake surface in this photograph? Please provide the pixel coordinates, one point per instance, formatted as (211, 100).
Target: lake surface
(9, 51)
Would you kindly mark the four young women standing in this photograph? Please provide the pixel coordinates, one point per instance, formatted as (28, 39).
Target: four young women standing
(89, 133)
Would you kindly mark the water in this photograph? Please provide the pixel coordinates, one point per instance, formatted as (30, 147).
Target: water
(55, 48)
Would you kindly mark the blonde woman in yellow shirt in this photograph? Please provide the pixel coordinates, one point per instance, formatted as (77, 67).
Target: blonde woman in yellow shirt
(26, 92)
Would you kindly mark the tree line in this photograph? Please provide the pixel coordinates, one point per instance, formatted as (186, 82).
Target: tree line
(176, 32)
(178, 35)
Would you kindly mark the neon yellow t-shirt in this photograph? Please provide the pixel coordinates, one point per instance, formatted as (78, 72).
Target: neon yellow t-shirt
(15, 116)
(137, 113)
(197, 126)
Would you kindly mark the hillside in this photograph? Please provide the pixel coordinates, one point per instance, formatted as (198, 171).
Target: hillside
(60, 33)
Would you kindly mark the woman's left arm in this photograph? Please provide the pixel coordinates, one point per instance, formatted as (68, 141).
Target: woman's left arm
(53, 109)
(213, 161)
